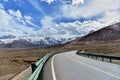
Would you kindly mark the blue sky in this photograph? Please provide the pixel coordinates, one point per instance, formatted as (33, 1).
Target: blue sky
(56, 18)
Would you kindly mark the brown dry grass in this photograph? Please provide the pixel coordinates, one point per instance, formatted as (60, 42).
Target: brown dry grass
(14, 60)
(103, 47)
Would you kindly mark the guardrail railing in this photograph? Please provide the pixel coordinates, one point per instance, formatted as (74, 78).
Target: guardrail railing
(83, 53)
(37, 66)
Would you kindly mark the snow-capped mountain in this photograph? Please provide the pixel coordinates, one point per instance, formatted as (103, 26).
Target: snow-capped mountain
(11, 42)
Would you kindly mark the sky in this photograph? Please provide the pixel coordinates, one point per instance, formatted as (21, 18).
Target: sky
(56, 18)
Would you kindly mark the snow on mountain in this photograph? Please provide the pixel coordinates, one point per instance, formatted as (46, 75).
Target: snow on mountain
(29, 41)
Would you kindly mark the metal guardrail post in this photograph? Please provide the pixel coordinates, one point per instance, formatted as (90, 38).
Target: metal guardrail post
(92, 57)
(96, 58)
(33, 67)
(102, 59)
(110, 60)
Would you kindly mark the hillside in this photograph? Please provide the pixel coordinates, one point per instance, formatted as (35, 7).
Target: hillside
(111, 32)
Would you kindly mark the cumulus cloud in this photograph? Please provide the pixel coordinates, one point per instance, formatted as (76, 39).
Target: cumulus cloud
(90, 9)
(48, 27)
(28, 17)
(110, 17)
(67, 30)
(28, 21)
(8, 25)
(76, 28)
(17, 15)
(76, 2)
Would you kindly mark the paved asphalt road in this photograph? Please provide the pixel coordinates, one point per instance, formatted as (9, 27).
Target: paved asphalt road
(69, 66)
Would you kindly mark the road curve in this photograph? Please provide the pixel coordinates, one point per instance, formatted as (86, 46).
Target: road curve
(69, 66)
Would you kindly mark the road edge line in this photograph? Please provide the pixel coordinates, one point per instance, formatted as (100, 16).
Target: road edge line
(52, 66)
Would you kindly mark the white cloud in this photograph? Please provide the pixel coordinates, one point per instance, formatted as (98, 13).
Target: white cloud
(48, 1)
(110, 17)
(17, 16)
(90, 9)
(76, 28)
(8, 25)
(15, 13)
(28, 21)
(28, 17)
(1, 6)
(4, 18)
(76, 2)
(67, 30)
(47, 21)
(48, 27)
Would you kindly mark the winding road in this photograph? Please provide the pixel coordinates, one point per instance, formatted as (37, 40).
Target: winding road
(69, 66)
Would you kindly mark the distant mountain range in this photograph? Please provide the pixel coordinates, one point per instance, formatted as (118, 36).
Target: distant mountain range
(28, 42)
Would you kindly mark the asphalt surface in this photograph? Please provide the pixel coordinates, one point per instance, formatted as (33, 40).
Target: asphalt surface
(69, 66)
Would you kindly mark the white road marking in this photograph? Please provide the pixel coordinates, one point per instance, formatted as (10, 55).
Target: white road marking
(95, 68)
(53, 71)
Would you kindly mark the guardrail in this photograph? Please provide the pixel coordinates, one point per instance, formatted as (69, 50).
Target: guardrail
(37, 66)
(86, 54)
